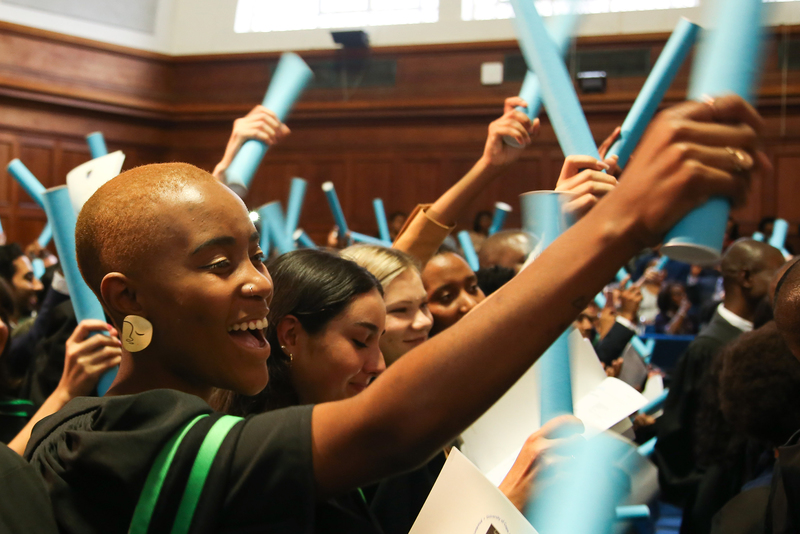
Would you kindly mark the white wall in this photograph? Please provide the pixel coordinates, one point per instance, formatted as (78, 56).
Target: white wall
(159, 41)
(206, 26)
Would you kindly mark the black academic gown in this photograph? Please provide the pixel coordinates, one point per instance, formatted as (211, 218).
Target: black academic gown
(783, 511)
(24, 503)
(95, 454)
(679, 474)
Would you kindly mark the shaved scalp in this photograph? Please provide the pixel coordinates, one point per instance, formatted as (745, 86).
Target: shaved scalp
(787, 306)
(118, 227)
(505, 248)
(747, 255)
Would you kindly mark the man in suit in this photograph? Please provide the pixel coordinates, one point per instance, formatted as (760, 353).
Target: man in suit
(748, 268)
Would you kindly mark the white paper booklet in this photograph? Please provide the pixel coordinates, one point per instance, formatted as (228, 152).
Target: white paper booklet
(84, 180)
(493, 441)
(464, 501)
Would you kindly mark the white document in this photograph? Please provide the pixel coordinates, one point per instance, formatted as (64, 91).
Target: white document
(463, 501)
(84, 180)
(653, 387)
(493, 442)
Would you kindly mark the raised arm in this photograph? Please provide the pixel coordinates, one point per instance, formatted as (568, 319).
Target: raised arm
(261, 124)
(435, 391)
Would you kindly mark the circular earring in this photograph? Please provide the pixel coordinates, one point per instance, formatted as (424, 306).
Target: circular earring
(137, 333)
(289, 354)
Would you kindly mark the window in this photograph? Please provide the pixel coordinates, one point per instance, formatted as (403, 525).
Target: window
(286, 15)
(501, 9)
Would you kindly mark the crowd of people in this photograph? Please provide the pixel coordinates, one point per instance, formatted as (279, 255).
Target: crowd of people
(322, 389)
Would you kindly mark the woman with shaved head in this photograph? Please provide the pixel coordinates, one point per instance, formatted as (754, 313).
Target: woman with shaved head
(171, 250)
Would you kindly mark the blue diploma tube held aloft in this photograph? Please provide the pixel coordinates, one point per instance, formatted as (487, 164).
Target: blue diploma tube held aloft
(289, 80)
(336, 207)
(368, 239)
(46, 236)
(667, 66)
(501, 211)
(62, 217)
(543, 216)
(27, 180)
(560, 29)
(468, 249)
(380, 217)
(558, 93)
(271, 216)
(97, 144)
(297, 194)
(758, 236)
(303, 239)
(779, 232)
(727, 62)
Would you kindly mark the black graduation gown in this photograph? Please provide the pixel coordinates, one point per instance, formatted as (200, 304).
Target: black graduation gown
(24, 504)
(783, 511)
(95, 454)
(674, 456)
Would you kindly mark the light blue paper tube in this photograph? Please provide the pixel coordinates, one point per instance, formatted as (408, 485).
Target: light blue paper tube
(271, 216)
(290, 79)
(641, 347)
(368, 239)
(501, 211)
(380, 217)
(303, 239)
(97, 144)
(297, 193)
(633, 511)
(584, 494)
(560, 29)
(654, 405)
(38, 267)
(667, 66)
(558, 93)
(46, 235)
(758, 236)
(544, 217)
(465, 241)
(646, 449)
(662, 263)
(61, 215)
(727, 62)
(600, 300)
(779, 231)
(336, 208)
(27, 180)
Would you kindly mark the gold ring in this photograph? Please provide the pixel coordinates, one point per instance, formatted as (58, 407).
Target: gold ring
(739, 159)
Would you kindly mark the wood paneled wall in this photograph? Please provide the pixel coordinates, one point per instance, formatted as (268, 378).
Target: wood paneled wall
(405, 143)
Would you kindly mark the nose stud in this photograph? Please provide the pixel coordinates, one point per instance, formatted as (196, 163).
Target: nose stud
(251, 289)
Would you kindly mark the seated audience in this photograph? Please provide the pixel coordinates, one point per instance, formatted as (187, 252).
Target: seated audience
(674, 315)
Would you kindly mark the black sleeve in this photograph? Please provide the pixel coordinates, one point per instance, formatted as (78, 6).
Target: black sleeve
(20, 350)
(610, 347)
(271, 485)
(674, 453)
(24, 504)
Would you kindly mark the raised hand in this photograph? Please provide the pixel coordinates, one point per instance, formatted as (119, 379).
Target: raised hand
(514, 124)
(582, 176)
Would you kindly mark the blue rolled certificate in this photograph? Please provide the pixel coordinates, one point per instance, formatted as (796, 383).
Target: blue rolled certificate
(544, 58)
(543, 216)
(758, 236)
(648, 448)
(62, 217)
(642, 348)
(290, 79)
(633, 511)
(297, 193)
(468, 249)
(271, 216)
(501, 211)
(97, 144)
(303, 239)
(368, 239)
(779, 232)
(336, 208)
(46, 235)
(727, 62)
(560, 29)
(27, 180)
(38, 268)
(662, 263)
(380, 217)
(669, 63)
